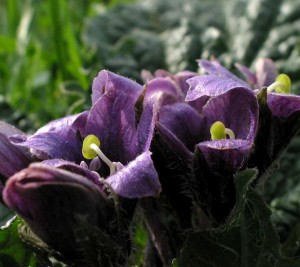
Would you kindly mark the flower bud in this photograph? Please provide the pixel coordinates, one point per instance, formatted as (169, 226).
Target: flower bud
(64, 209)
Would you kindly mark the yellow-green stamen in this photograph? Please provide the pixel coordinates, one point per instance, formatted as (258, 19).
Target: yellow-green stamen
(281, 85)
(91, 149)
(87, 151)
(219, 131)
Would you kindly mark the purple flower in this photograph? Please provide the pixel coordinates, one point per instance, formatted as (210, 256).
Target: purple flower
(226, 156)
(215, 68)
(80, 191)
(166, 87)
(58, 205)
(265, 73)
(232, 153)
(112, 119)
(184, 137)
(279, 111)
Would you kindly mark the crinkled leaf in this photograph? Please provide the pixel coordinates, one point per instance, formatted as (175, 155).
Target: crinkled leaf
(285, 208)
(182, 31)
(167, 35)
(249, 239)
(250, 27)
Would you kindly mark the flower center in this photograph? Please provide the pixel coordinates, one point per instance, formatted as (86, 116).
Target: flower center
(91, 149)
(281, 85)
(218, 131)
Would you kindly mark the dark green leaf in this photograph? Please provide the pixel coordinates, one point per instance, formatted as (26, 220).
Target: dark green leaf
(291, 247)
(5, 214)
(249, 239)
(13, 251)
(249, 31)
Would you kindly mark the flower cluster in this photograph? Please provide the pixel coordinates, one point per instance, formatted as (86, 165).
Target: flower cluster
(182, 137)
(63, 191)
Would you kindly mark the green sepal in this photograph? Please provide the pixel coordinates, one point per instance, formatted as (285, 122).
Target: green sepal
(101, 248)
(264, 140)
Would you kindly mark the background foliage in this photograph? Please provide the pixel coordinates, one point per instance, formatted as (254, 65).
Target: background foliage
(51, 50)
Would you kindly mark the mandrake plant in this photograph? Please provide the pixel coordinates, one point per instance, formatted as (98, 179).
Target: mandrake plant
(186, 159)
(191, 151)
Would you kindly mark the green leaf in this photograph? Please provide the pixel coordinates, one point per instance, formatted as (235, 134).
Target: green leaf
(5, 214)
(249, 31)
(7, 44)
(140, 242)
(13, 251)
(249, 239)
(168, 35)
(99, 247)
(285, 207)
(291, 247)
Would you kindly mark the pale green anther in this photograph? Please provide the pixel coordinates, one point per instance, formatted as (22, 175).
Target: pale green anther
(281, 85)
(217, 131)
(91, 149)
(87, 151)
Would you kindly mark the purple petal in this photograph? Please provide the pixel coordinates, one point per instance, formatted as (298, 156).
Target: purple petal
(52, 145)
(163, 74)
(247, 73)
(8, 129)
(199, 103)
(112, 120)
(146, 76)
(237, 109)
(112, 116)
(145, 129)
(12, 158)
(164, 90)
(62, 125)
(160, 73)
(107, 81)
(73, 168)
(50, 200)
(282, 105)
(266, 72)
(95, 164)
(184, 122)
(181, 79)
(230, 153)
(173, 143)
(58, 139)
(215, 68)
(137, 179)
(210, 85)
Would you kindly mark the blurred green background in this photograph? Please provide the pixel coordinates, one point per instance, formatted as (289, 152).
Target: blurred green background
(46, 68)
(51, 50)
